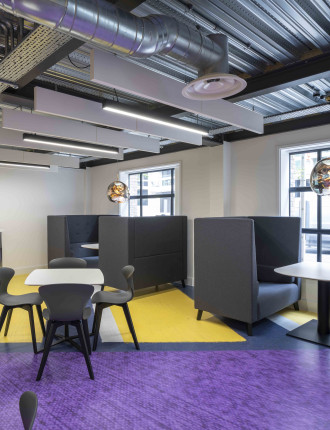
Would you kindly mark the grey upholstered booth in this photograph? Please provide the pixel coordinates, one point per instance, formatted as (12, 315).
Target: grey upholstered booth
(155, 246)
(234, 266)
(66, 234)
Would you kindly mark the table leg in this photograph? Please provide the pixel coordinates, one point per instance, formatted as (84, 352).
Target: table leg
(317, 331)
(323, 307)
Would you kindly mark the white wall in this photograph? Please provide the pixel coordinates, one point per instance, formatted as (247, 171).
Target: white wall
(27, 196)
(201, 193)
(254, 184)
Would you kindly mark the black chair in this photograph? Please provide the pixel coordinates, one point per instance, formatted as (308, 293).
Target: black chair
(104, 299)
(66, 305)
(23, 301)
(67, 263)
(28, 405)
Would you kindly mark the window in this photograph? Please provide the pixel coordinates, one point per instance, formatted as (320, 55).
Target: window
(152, 192)
(314, 210)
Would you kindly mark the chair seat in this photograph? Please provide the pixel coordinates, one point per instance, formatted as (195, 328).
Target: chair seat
(273, 297)
(86, 313)
(23, 299)
(112, 297)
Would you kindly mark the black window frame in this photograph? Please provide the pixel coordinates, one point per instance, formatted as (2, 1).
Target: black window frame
(319, 231)
(141, 197)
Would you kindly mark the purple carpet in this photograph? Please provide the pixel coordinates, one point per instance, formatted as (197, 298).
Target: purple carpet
(171, 390)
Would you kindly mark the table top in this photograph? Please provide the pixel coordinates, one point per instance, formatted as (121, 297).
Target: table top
(90, 245)
(317, 271)
(65, 276)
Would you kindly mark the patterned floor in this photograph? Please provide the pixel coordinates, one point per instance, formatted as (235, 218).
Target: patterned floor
(188, 375)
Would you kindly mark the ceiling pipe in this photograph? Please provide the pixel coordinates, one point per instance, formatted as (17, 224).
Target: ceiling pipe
(102, 24)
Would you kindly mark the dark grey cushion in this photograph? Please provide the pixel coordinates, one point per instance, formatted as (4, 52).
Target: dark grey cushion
(267, 274)
(83, 228)
(273, 297)
(92, 262)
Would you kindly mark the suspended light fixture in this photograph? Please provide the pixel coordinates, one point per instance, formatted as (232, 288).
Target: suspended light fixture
(118, 192)
(25, 165)
(69, 145)
(320, 177)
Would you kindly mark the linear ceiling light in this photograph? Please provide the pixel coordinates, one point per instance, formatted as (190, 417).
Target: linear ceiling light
(69, 144)
(29, 165)
(137, 115)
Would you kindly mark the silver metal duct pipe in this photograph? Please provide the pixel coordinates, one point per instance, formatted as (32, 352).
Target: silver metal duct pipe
(106, 26)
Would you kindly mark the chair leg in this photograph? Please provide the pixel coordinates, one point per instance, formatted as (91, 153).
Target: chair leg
(102, 287)
(84, 348)
(199, 314)
(97, 322)
(183, 283)
(87, 338)
(51, 329)
(33, 333)
(130, 325)
(249, 329)
(5, 309)
(41, 319)
(296, 306)
(10, 312)
(66, 330)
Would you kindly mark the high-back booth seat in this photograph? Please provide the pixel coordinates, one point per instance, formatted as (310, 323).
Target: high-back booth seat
(66, 234)
(155, 246)
(235, 260)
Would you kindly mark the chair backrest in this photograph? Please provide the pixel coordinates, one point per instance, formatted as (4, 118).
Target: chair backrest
(67, 263)
(6, 274)
(66, 302)
(28, 405)
(127, 272)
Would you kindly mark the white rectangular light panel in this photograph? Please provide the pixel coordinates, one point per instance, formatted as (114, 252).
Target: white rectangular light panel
(112, 71)
(73, 130)
(67, 106)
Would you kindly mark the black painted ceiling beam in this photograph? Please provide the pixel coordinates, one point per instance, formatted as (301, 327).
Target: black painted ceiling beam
(54, 58)
(286, 77)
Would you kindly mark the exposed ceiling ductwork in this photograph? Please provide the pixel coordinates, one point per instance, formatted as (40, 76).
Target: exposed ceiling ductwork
(106, 26)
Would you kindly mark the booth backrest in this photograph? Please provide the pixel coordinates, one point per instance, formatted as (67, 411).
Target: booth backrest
(82, 229)
(277, 241)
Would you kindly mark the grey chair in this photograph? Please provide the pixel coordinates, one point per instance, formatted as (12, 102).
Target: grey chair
(66, 304)
(23, 301)
(104, 299)
(67, 263)
(235, 260)
(28, 405)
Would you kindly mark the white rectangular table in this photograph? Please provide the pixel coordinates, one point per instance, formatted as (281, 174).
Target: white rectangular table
(317, 331)
(65, 276)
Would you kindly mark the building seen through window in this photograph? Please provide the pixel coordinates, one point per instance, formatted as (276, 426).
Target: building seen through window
(314, 210)
(152, 193)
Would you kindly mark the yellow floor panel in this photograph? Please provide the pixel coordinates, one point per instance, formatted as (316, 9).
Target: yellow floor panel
(299, 317)
(169, 316)
(19, 329)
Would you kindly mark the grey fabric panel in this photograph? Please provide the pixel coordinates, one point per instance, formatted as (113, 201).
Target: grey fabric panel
(157, 253)
(225, 267)
(92, 262)
(157, 269)
(157, 235)
(184, 247)
(273, 297)
(57, 237)
(277, 244)
(114, 253)
(83, 228)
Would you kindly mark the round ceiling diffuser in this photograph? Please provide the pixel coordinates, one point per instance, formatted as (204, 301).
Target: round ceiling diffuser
(214, 86)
